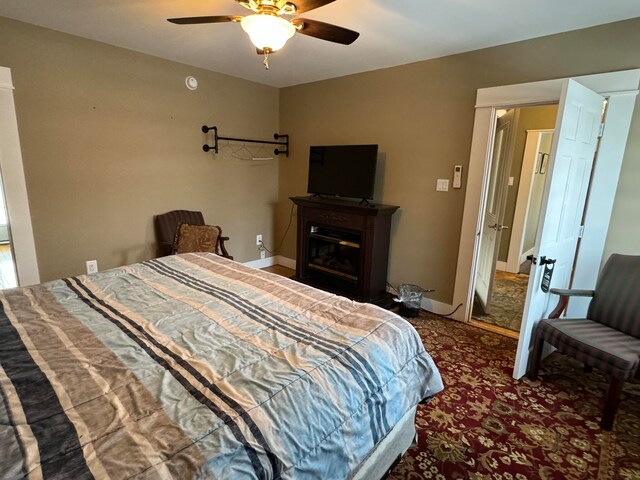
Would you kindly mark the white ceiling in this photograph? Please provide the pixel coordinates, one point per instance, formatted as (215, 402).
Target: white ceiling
(393, 32)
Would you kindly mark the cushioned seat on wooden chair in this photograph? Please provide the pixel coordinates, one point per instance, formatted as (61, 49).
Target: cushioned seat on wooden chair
(167, 228)
(609, 338)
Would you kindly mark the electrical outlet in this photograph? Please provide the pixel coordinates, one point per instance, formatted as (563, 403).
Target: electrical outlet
(92, 266)
(258, 240)
(263, 254)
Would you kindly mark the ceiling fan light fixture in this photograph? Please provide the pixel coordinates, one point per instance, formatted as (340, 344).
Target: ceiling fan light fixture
(268, 32)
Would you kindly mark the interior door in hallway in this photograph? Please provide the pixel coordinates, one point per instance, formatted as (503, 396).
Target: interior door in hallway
(570, 165)
(494, 208)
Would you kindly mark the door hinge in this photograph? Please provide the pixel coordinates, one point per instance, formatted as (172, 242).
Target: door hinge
(601, 130)
(581, 231)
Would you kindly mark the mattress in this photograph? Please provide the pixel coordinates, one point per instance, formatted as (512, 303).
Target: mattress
(194, 366)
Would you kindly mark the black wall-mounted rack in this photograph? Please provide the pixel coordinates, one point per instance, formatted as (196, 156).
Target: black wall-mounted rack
(217, 137)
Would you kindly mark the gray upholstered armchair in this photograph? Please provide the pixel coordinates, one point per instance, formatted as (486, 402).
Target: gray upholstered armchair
(609, 338)
(167, 225)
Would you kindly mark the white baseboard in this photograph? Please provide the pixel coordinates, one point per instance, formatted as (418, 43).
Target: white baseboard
(502, 266)
(262, 263)
(434, 306)
(523, 257)
(286, 262)
(270, 261)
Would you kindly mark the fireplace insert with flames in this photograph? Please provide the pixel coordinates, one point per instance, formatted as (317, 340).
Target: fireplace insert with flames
(334, 253)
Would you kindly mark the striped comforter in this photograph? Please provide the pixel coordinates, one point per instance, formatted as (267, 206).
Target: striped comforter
(194, 366)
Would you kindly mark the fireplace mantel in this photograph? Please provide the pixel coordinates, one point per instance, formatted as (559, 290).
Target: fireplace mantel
(343, 246)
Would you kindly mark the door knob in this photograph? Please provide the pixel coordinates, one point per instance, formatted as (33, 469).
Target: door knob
(543, 260)
(497, 227)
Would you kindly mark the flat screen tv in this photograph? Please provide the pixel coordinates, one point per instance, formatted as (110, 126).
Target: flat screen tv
(343, 170)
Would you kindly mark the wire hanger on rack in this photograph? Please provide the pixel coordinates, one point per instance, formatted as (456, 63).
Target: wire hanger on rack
(241, 152)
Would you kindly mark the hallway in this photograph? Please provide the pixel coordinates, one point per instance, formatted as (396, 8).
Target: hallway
(507, 301)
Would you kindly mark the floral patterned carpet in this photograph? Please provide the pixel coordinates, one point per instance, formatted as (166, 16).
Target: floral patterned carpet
(507, 301)
(486, 425)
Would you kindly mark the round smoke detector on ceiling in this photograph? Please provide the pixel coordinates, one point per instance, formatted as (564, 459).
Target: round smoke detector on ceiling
(191, 82)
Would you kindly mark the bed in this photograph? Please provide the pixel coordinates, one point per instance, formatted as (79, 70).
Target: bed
(194, 366)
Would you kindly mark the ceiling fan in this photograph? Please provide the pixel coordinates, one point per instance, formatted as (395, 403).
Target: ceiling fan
(269, 31)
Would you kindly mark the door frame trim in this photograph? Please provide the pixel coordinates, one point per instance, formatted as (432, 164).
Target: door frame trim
(488, 100)
(15, 187)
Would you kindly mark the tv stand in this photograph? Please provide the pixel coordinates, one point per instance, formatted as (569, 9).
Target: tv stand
(343, 246)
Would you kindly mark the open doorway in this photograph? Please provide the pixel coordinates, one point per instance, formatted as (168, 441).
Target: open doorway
(561, 214)
(521, 149)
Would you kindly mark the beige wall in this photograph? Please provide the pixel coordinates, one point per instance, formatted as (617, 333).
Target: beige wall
(624, 229)
(111, 137)
(530, 118)
(421, 115)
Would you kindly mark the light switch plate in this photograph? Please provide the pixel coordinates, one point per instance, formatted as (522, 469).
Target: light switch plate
(511, 180)
(442, 185)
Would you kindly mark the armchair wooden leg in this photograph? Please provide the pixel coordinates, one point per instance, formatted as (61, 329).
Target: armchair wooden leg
(611, 403)
(535, 360)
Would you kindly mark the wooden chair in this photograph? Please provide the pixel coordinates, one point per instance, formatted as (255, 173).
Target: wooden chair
(166, 226)
(609, 338)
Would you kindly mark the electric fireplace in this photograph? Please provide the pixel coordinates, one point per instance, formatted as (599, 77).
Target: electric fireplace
(343, 246)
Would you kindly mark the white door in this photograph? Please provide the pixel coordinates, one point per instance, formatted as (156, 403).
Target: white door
(572, 154)
(494, 209)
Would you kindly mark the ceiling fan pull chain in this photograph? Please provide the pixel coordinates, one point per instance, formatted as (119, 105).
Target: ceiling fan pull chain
(266, 59)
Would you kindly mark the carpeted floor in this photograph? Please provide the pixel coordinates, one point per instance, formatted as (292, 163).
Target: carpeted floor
(486, 425)
(507, 301)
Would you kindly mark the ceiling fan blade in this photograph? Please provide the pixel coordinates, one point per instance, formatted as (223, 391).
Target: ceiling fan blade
(307, 5)
(325, 31)
(198, 20)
